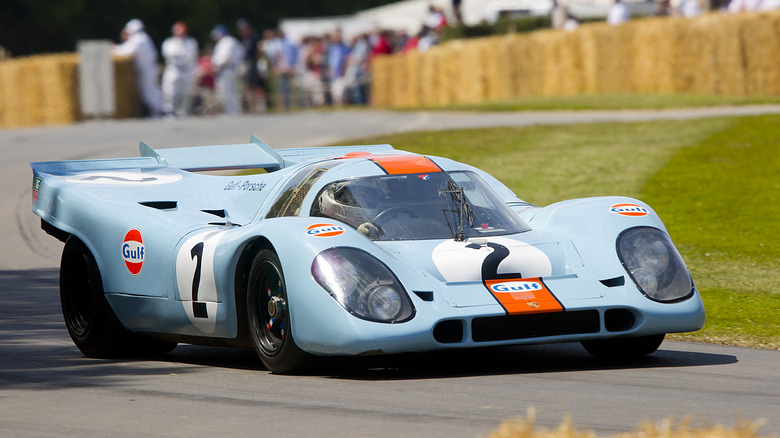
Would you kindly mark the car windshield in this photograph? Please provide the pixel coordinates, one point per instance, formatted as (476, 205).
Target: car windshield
(437, 205)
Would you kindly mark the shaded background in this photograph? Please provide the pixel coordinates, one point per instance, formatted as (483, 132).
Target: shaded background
(30, 27)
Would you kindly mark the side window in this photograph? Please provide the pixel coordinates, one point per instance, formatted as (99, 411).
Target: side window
(290, 201)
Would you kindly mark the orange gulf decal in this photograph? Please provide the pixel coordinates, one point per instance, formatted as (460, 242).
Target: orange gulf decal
(524, 295)
(400, 164)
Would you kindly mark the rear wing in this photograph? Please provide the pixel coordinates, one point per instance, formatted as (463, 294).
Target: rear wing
(253, 155)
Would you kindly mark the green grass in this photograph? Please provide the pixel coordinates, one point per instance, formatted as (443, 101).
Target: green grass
(715, 183)
(614, 102)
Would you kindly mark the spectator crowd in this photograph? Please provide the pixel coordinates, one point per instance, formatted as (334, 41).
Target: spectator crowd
(251, 72)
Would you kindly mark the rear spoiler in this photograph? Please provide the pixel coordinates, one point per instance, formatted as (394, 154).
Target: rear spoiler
(253, 155)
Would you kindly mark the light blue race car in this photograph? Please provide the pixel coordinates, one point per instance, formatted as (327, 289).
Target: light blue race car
(349, 250)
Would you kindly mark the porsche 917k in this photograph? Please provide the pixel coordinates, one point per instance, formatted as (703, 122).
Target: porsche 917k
(347, 251)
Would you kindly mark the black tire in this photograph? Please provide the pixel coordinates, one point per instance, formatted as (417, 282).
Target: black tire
(621, 348)
(90, 321)
(269, 316)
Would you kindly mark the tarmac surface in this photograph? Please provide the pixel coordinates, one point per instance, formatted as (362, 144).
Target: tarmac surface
(47, 388)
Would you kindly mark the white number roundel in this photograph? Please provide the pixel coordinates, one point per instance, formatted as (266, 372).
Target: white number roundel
(195, 279)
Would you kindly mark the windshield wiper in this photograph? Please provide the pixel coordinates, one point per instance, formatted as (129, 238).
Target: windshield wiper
(463, 211)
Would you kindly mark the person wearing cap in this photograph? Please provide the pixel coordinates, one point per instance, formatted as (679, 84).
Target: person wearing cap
(136, 43)
(180, 52)
(227, 57)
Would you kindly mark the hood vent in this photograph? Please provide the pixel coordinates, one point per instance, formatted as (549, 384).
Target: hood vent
(161, 205)
(614, 282)
(219, 213)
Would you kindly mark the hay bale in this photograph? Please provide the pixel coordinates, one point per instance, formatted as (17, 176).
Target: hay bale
(413, 64)
(761, 45)
(589, 53)
(430, 85)
(59, 77)
(731, 54)
(21, 93)
(467, 70)
(500, 74)
(449, 73)
(654, 43)
(128, 103)
(728, 55)
(528, 65)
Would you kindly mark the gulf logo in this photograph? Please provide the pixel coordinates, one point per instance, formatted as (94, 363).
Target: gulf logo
(133, 251)
(324, 230)
(628, 210)
(516, 286)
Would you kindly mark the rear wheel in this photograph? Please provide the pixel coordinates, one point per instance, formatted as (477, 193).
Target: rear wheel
(91, 323)
(623, 347)
(269, 316)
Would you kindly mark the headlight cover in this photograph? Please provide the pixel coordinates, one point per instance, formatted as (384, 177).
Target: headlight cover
(652, 261)
(363, 285)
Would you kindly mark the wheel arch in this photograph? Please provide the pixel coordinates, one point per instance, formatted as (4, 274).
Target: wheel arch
(244, 264)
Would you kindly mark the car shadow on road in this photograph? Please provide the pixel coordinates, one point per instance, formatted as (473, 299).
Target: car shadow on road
(35, 350)
(525, 359)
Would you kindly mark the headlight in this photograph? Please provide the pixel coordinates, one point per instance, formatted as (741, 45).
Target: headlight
(362, 284)
(654, 264)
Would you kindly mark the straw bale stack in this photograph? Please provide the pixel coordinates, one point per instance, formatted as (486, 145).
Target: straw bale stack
(761, 45)
(59, 79)
(21, 92)
(411, 72)
(466, 68)
(728, 57)
(720, 54)
(380, 81)
(500, 72)
(395, 72)
(589, 53)
(449, 73)
(561, 69)
(528, 65)
(653, 55)
(614, 57)
(430, 83)
(128, 103)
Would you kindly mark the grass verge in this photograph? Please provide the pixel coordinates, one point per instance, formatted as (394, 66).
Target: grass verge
(713, 181)
(614, 102)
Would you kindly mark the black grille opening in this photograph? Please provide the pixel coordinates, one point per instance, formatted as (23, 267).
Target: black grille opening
(424, 295)
(448, 332)
(614, 282)
(161, 205)
(535, 325)
(618, 320)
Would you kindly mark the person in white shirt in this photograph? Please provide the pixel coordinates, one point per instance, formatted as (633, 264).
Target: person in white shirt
(618, 13)
(180, 52)
(227, 57)
(136, 43)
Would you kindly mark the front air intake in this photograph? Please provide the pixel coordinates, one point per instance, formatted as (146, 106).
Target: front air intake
(536, 325)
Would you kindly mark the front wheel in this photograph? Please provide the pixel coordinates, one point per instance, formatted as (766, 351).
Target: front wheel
(269, 316)
(623, 347)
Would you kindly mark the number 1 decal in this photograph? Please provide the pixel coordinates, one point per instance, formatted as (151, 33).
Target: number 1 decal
(196, 283)
(198, 309)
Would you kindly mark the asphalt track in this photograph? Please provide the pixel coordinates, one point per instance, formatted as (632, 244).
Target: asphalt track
(47, 388)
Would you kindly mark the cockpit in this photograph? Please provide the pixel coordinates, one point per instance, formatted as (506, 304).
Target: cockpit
(438, 205)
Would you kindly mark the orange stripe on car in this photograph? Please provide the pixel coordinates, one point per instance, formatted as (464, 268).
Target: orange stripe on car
(401, 164)
(524, 295)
